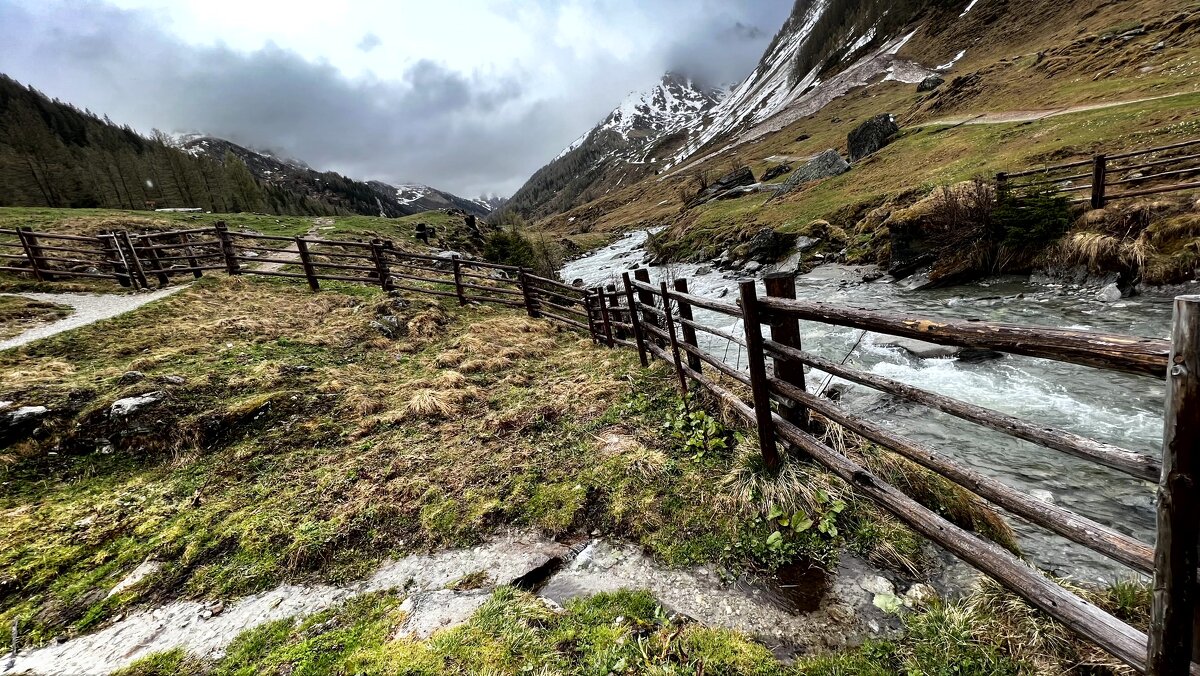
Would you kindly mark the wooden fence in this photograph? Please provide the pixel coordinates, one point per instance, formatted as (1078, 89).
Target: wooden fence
(1138, 173)
(659, 322)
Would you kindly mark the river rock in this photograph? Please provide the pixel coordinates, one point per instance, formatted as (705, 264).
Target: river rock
(871, 135)
(919, 594)
(1109, 294)
(129, 405)
(752, 267)
(768, 245)
(442, 609)
(825, 165)
(924, 350)
(930, 83)
(703, 270)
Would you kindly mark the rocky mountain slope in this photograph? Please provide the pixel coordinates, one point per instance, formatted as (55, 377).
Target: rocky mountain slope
(371, 198)
(629, 144)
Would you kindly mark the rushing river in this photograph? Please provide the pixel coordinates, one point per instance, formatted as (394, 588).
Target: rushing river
(1125, 410)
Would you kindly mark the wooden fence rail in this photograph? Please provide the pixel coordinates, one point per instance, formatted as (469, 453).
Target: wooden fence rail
(660, 321)
(1167, 176)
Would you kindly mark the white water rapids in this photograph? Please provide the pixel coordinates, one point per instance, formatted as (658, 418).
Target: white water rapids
(1121, 409)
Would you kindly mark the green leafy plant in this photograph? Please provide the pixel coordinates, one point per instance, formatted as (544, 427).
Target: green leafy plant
(698, 432)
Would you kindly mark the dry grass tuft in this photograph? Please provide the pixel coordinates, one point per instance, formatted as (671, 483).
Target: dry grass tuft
(452, 379)
(749, 489)
(429, 403)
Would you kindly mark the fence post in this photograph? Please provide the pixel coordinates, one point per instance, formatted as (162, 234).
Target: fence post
(614, 307)
(131, 258)
(1172, 611)
(786, 331)
(1099, 173)
(381, 266)
(193, 262)
(306, 262)
(458, 284)
(120, 269)
(646, 298)
(758, 375)
(231, 262)
(635, 321)
(33, 253)
(689, 334)
(670, 325)
(528, 293)
(589, 306)
(156, 266)
(1001, 182)
(606, 322)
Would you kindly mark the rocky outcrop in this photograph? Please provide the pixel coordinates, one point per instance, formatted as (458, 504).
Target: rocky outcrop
(738, 178)
(18, 423)
(871, 135)
(825, 165)
(776, 171)
(931, 83)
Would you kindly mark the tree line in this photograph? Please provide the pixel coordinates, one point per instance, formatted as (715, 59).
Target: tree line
(53, 154)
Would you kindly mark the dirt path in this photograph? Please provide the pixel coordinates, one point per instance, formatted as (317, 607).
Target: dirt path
(842, 609)
(1008, 116)
(87, 308)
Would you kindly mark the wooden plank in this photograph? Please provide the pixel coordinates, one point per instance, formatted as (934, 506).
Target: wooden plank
(669, 324)
(528, 294)
(1172, 642)
(605, 320)
(1095, 536)
(456, 266)
(310, 273)
(634, 320)
(1147, 151)
(757, 366)
(1134, 464)
(569, 322)
(1130, 354)
(685, 316)
(785, 330)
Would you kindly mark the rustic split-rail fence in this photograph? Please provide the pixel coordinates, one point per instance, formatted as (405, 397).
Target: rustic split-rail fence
(1137, 173)
(659, 321)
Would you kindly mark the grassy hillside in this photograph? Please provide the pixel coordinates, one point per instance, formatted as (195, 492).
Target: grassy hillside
(1048, 58)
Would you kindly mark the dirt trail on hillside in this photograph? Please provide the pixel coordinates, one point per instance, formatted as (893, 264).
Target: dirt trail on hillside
(87, 308)
(1008, 116)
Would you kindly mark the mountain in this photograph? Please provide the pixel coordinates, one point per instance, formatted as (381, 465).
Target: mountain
(627, 145)
(825, 49)
(370, 198)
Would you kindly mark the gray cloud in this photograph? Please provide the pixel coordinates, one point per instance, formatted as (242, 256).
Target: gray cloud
(369, 41)
(465, 132)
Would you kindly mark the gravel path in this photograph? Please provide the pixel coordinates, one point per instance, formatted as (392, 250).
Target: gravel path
(87, 308)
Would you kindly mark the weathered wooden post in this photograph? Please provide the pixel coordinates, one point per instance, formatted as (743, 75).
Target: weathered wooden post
(456, 262)
(786, 331)
(381, 266)
(756, 363)
(528, 293)
(310, 272)
(1001, 183)
(670, 326)
(606, 321)
(227, 250)
(634, 320)
(1099, 175)
(646, 298)
(589, 307)
(116, 258)
(156, 265)
(188, 251)
(34, 253)
(689, 334)
(614, 307)
(131, 258)
(1172, 612)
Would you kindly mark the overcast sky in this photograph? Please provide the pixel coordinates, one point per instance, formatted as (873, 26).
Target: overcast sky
(470, 96)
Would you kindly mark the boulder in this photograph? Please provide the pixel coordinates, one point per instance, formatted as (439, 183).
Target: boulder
(825, 165)
(931, 82)
(740, 177)
(768, 245)
(1109, 294)
(924, 350)
(129, 405)
(871, 135)
(19, 422)
(776, 171)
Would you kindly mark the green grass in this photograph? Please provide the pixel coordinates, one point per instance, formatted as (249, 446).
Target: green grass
(20, 314)
(294, 442)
